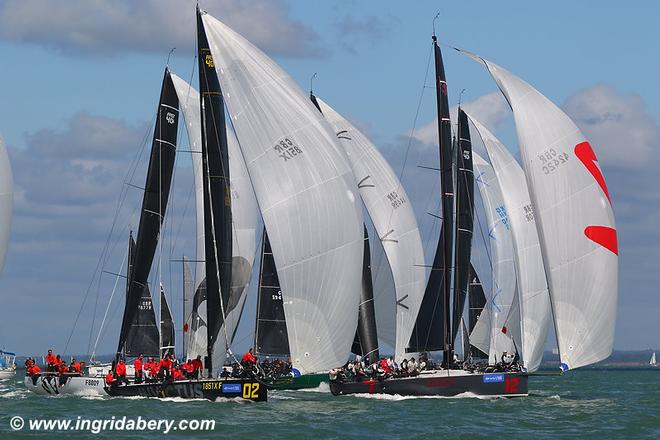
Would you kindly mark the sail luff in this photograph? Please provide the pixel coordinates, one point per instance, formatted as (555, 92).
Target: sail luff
(154, 203)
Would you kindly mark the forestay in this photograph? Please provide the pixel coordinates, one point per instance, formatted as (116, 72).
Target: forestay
(392, 214)
(504, 288)
(244, 224)
(307, 195)
(574, 218)
(532, 285)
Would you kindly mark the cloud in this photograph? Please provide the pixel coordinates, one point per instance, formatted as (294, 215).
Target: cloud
(67, 184)
(490, 109)
(622, 132)
(352, 31)
(104, 27)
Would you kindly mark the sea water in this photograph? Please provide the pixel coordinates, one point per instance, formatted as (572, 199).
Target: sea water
(586, 404)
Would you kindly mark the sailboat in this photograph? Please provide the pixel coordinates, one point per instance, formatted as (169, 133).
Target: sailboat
(652, 361)
(577, 252)
(7, 366)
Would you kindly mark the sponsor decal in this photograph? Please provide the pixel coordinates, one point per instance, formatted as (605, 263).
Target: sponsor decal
(493, 377)
(231, 388)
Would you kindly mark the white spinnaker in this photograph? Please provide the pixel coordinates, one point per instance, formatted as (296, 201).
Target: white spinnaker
(307, 195)
(532, 285)
(244, 222)
(392, 214)
(196, 344)
(504, 286)
(574, 218)
(6, 201)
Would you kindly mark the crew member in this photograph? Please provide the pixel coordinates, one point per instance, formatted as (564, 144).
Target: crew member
(248, 358)
(110, 379)
(120, 370)
(197, 367)
(138, 369)
(50, 361)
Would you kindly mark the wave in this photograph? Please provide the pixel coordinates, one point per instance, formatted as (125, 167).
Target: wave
(323, 387)
(398, 397)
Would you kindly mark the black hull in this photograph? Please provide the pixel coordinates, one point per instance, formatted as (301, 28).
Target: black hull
(211, 389)
(440, 383)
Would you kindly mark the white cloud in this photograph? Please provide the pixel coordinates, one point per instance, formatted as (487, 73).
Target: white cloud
(618, 126)
(491, 110)
(115, 26)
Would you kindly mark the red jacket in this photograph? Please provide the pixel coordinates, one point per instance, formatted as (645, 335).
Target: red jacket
(249, 358)
(121, 369)
(138, 365)
(178, 375)
(166, 363)
(197, 364)
(50, 359)
(109, 378)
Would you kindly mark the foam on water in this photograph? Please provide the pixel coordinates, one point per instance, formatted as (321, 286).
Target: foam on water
(398, 397)
(323, 387)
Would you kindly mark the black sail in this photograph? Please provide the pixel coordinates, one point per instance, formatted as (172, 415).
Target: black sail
(271, 337)
(142, 335)
(154, 202)
(166, 326)
(366, 337)
(476, 304)
(217, 193)
(434, 311)
(464, 219)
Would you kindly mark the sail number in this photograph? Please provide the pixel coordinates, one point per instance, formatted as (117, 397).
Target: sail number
(287, 149)
(395, 199)
(144, 305)
(277, 296)
(528, 211)
(551, 160)
(251, 390)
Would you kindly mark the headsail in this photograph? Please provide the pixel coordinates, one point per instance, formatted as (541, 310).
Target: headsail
(142, 334)
(575, 221)
(154, 203)
(532, 285)
(6, 201)
(476, 308)
(500, 242)
(390, 210)
(307, 195)
(166, 326)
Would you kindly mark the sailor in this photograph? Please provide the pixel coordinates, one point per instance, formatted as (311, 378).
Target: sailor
(120, 369)
(137, 365)
(188, 369)
(76, 367)
(412, 367)
(177, 374)
(154, 368)
(50, 361)
(110, 378)
(165, 368)
(197, 367)
(248, 358)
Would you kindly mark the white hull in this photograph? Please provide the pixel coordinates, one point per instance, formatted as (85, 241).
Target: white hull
(102, 370)
(7, 373)
(79, 385)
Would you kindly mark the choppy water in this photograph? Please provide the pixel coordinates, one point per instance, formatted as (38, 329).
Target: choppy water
(588, 404)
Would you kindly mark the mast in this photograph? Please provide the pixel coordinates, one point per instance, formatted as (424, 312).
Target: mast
(464, 219)
(154, 204)
(217, 194)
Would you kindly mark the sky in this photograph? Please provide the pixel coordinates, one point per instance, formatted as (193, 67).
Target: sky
(79, 85)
